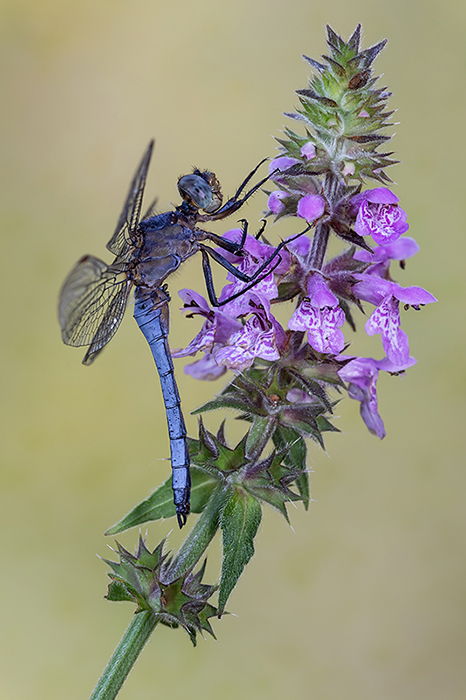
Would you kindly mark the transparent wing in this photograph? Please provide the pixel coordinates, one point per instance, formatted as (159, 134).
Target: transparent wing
(92, 303)
(129, 217)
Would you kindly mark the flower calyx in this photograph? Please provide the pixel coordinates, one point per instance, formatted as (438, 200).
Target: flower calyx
(145, 578)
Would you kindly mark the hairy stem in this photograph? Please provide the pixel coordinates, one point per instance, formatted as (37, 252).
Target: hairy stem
(319, 247)
(125, 655)
(322, 232)
(201, 535)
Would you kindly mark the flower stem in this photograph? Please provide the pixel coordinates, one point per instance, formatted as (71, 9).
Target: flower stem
(125, 655)
(201, 535)
(319, 246)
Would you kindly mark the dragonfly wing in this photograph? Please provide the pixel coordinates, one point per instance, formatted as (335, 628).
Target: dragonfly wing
(92, 303)
(129, 217)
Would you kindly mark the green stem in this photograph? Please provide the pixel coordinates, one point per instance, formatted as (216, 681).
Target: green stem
(201, 535)
(125, 656)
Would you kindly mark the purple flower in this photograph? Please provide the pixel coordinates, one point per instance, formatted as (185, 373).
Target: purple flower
(281, 163)
(311, 207)
(320, 315)
(308, 151)
(385, 319)
(379, 215)
(361, 373)
(275, 203)
(380, 258)
(217, 329)
(261, 336)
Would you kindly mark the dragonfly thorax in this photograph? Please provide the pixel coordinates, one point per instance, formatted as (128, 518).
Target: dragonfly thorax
(167, 241)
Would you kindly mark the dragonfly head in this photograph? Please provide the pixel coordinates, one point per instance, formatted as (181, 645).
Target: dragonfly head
(201, 190)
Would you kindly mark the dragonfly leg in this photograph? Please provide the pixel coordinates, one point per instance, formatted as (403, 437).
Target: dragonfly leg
(252, 280)
(233, 246)
(206, 267)
(236, 201)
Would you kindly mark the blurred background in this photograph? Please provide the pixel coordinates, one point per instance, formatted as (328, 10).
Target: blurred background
(364, 597)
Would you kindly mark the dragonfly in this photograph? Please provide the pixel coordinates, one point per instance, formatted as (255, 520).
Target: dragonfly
(147, 250)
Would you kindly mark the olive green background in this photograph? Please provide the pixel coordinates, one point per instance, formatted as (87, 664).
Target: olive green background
(363, 599)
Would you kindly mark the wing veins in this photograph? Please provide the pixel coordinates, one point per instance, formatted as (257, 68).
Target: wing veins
(92, 302)
(129, 217)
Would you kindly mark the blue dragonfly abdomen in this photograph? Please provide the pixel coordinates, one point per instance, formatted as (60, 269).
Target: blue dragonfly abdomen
(152, 317)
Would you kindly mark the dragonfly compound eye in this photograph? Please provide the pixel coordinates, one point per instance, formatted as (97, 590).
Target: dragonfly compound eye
(195, 190)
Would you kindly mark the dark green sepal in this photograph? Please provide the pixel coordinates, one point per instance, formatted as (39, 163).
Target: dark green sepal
(325, 425)
(295, 457)
(259, 434)
(223, 401)
(118, 592)
(269, 481)
(215, 457)
(147, 579)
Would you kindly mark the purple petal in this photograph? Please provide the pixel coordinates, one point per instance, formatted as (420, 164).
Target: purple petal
(356, 202)
(387, 366)
(372, 288)
(216, 329)
(260, 337)
(301, 318)
(322, 326)
(361, 374)
(311, 207)
(235, 357)
(308, 151)
(298, 396)
(319, 293)
(414, 296)
(255, 254)
(300, 246)
(281, 163)
(204, 340)
(381, 195)
(385, 319)
(192, 298)
(275, 203)
(205, 369)
(402, 249)
(324, 334)
(260, 295)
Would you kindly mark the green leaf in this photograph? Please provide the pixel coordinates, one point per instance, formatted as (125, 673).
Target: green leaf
(239, 521)
(223, 402)
(160, 503)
